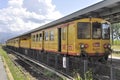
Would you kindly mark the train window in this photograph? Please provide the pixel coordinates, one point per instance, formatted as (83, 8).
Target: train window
(105, 31)
(51, 35)
(40, 37)
(96, 29)
(83, 30)
(33, 38)
(37, 37)
(16, 41)
(63, 30)
(46, 36)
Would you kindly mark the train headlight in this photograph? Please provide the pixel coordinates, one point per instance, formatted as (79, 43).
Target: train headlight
(82, 46)
(109, 46)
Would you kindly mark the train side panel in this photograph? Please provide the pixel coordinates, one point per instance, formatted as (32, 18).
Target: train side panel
(64, 39)
(51, 40)
(71, 38)
(37, 40)
(46, 40)
(17, 42)
(25, 43)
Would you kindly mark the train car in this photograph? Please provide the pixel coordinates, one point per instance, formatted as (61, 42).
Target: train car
(37, 40)
(16, 43)
(88, 37)
(92, 38)
(25, 44)
(10, 43)
(45, 40)
(51, 40)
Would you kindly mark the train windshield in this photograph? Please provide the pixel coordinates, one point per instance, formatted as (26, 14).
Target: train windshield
(100, 31)
(105, 31)
(96, 30)
(83, 30)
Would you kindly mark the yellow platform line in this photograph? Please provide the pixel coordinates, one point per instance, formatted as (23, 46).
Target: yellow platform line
(9, 74)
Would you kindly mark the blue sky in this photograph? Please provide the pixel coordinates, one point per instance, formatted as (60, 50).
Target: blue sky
(3, 3)
(69, 6)
(19, 16)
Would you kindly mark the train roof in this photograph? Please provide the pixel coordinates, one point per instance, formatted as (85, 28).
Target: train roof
(106, 9)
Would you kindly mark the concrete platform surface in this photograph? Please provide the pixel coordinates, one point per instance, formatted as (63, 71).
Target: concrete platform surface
(3, 74)
(113, 57)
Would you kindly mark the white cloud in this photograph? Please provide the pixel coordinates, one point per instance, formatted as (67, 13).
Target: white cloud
(15, 3)
(23, 15)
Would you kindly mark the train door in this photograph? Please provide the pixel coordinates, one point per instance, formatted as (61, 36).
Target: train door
(59, 39)
(64, 39)
(43, 35)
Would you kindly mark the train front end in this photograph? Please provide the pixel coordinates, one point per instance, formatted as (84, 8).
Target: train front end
(93, 38)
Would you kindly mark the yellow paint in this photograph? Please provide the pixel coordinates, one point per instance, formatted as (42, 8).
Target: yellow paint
(69, 41)
(25, 43)
(36, 44)
(51, 45)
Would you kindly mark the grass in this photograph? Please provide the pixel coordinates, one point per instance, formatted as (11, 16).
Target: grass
(116, 54)
(116, 47)
(16, 73)
(116, 42)
(87, 76)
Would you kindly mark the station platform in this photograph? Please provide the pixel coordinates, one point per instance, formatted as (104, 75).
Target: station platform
(3, 74)
(114, 57)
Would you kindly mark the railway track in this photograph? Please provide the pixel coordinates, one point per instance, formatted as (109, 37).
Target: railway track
(99, 71)
(21, 66)
(39, 71)
(26, 67)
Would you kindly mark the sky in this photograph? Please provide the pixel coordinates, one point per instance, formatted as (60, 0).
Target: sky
(19, 16)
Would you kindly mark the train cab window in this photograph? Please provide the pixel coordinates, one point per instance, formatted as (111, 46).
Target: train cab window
(51, 35)
(46, 36)
(40, 37)
(83, 30)
(105, 31)
(63, 30)
(96, 29)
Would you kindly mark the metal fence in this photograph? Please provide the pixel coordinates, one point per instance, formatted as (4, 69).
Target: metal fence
(77, 65)
(96, 70)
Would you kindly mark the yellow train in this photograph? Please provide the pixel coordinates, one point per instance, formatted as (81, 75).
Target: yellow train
(87, 37)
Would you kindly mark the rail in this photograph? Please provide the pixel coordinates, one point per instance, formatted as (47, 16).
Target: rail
(62, 75)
